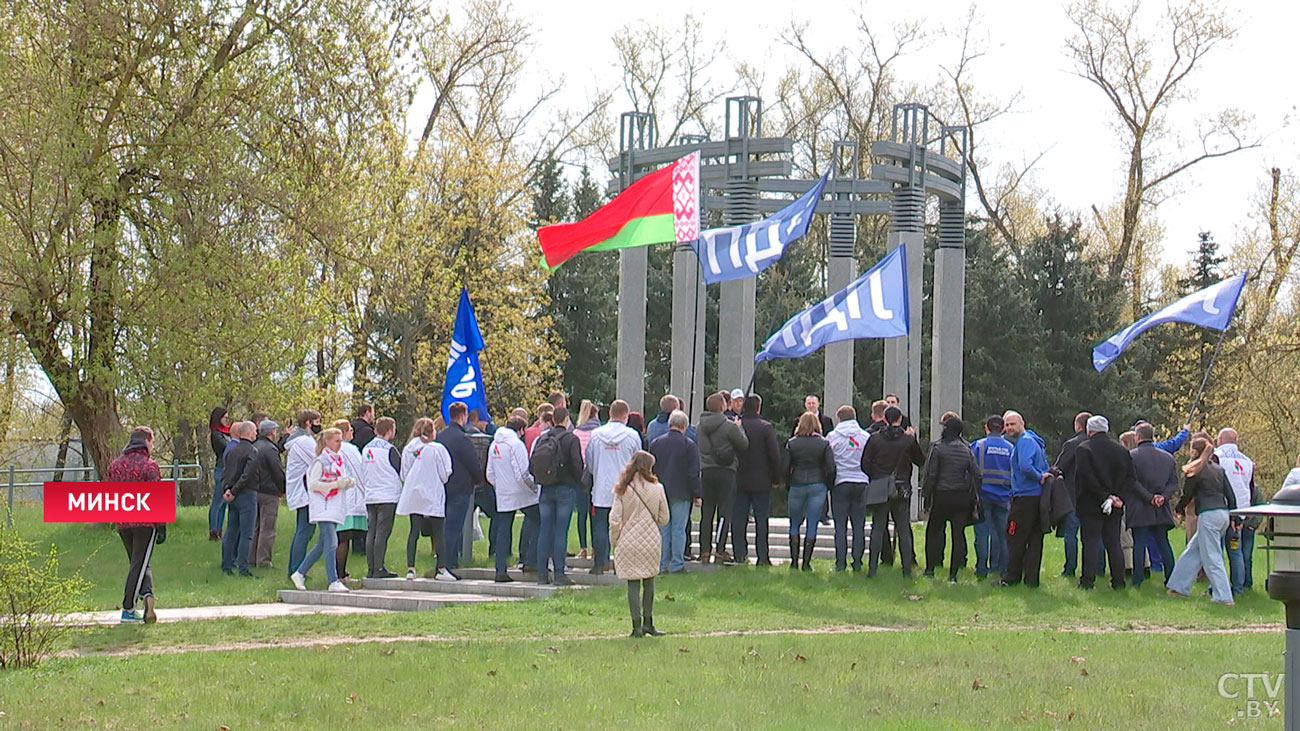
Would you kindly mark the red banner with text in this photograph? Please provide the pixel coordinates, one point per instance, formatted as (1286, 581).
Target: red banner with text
(110, 502)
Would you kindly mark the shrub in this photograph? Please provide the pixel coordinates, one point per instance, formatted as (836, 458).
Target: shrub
(34, 600)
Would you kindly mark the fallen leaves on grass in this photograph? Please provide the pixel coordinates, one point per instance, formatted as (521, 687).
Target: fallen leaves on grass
(914, 597)
(977, 685)
(492, 673)
(683, 649)
(670, 597)
(352, 697)
(1076, 658)
(797, 658)
(1084, 672)
(552, 648)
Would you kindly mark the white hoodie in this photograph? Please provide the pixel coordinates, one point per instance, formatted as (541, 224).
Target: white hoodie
(424, 488)
(610, 449)
(847, 440)
(1292, 477)
(1240, 470)
(507, 471)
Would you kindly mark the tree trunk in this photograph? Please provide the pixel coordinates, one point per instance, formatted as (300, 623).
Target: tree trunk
(94, 411)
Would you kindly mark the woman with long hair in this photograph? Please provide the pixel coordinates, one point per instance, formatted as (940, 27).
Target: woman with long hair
(809, 470)
(219, 433)
(950, 490)
(426, 467)
(355, 523)
(328, 482)
(587, 422)
(640, 508)
(1205, 482)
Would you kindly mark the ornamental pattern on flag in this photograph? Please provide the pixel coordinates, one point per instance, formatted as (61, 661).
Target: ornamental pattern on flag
(686, 197)
(736, 252)
(873, 306)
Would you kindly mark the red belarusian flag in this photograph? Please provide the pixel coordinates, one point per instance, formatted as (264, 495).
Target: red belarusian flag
(660, 208)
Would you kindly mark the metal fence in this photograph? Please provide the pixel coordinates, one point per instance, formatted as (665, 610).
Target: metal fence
(173, 471)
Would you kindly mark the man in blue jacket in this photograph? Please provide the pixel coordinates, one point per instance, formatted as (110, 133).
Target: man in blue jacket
(1024, 531)
(993, 455)
(466, 472)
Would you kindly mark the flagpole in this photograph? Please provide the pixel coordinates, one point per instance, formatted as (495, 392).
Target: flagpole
(1205, 379)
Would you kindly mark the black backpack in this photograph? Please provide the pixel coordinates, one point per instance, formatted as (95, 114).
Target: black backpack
(545, 462)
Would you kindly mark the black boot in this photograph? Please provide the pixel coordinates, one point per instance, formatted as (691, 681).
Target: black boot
(808, 547)
(649, 628)
(638, 630)
(794, 552)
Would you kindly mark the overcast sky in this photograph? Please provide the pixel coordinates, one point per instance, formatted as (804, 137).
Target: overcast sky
(1060, 115)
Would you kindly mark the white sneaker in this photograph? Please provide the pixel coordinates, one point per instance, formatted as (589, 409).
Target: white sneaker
(339, 587)
(445, 575)
(410, 574)
(299, 581)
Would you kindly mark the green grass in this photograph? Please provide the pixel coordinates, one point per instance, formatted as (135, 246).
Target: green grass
(912, 679)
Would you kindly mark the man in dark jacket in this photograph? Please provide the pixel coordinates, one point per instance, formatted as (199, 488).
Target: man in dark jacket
(363, 429)
(758, 470)
(891, 452)
(558, 495)
(240, 478)
(1104, 471)
(677, 465)
(813, 404)
(485, 496)
(720, 440)
(270, 486)
(466, 472)
(1065, 465)
(1148, 508)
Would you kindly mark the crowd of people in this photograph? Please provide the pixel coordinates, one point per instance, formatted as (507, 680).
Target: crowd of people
(634, 484)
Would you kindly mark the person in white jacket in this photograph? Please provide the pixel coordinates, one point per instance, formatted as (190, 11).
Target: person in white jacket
(328, 483)
(1292, 477)
(300, 451)
(426, 467)
(354, 523)
(849, 493)
(610, 449)
(381, 470)
(507, 472)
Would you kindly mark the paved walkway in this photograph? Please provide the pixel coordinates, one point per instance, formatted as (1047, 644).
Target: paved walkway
(248, 611)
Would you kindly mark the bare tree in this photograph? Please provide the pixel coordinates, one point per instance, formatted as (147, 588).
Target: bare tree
(667, 73)
(1144, 72)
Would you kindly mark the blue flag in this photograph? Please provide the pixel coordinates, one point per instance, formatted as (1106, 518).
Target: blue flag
(1211, 307)
(873, 306)
(464, 379)
(736, 252)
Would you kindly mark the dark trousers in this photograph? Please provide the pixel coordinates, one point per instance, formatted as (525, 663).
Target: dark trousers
(433, 528)
(139, 578)
(241, 518)
(1024, 542)
(1097, 529)
(600, 537)
(453, 532)
(849, 506)
(485, 499)
(582, 509)
(880, 515)
(741, 504)
(302, 534)
(379, 516)
(717, 492)
(1157, 536)
(503, 524)
(951, 508)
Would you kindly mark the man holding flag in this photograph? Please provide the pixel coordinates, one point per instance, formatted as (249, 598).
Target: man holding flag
(462, 391)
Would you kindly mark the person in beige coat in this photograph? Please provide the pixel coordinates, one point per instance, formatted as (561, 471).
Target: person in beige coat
(640, 507)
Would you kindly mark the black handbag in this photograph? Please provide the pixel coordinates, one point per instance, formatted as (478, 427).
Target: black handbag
(880, 490)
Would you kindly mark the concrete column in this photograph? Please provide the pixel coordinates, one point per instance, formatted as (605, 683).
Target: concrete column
(630, 380)
(949, 316)
(736, 333)
(687, 371)
(897, 362)
(837, 375)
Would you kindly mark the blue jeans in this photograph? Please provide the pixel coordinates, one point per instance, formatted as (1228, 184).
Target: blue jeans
(582, 506)
(503, 525)
(1070, 528)
(327, 546)
(1241, 564)
(991, 538)
(216, 511)
(238, 538)
(453, 532)
(673, 536)
(302, 534)
(556, 509)
(600, 537)
(1145, 535)
(806, 503)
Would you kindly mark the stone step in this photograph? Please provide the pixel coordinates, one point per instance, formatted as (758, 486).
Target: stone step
(581, 578)
(404, 601)
(467, 585)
